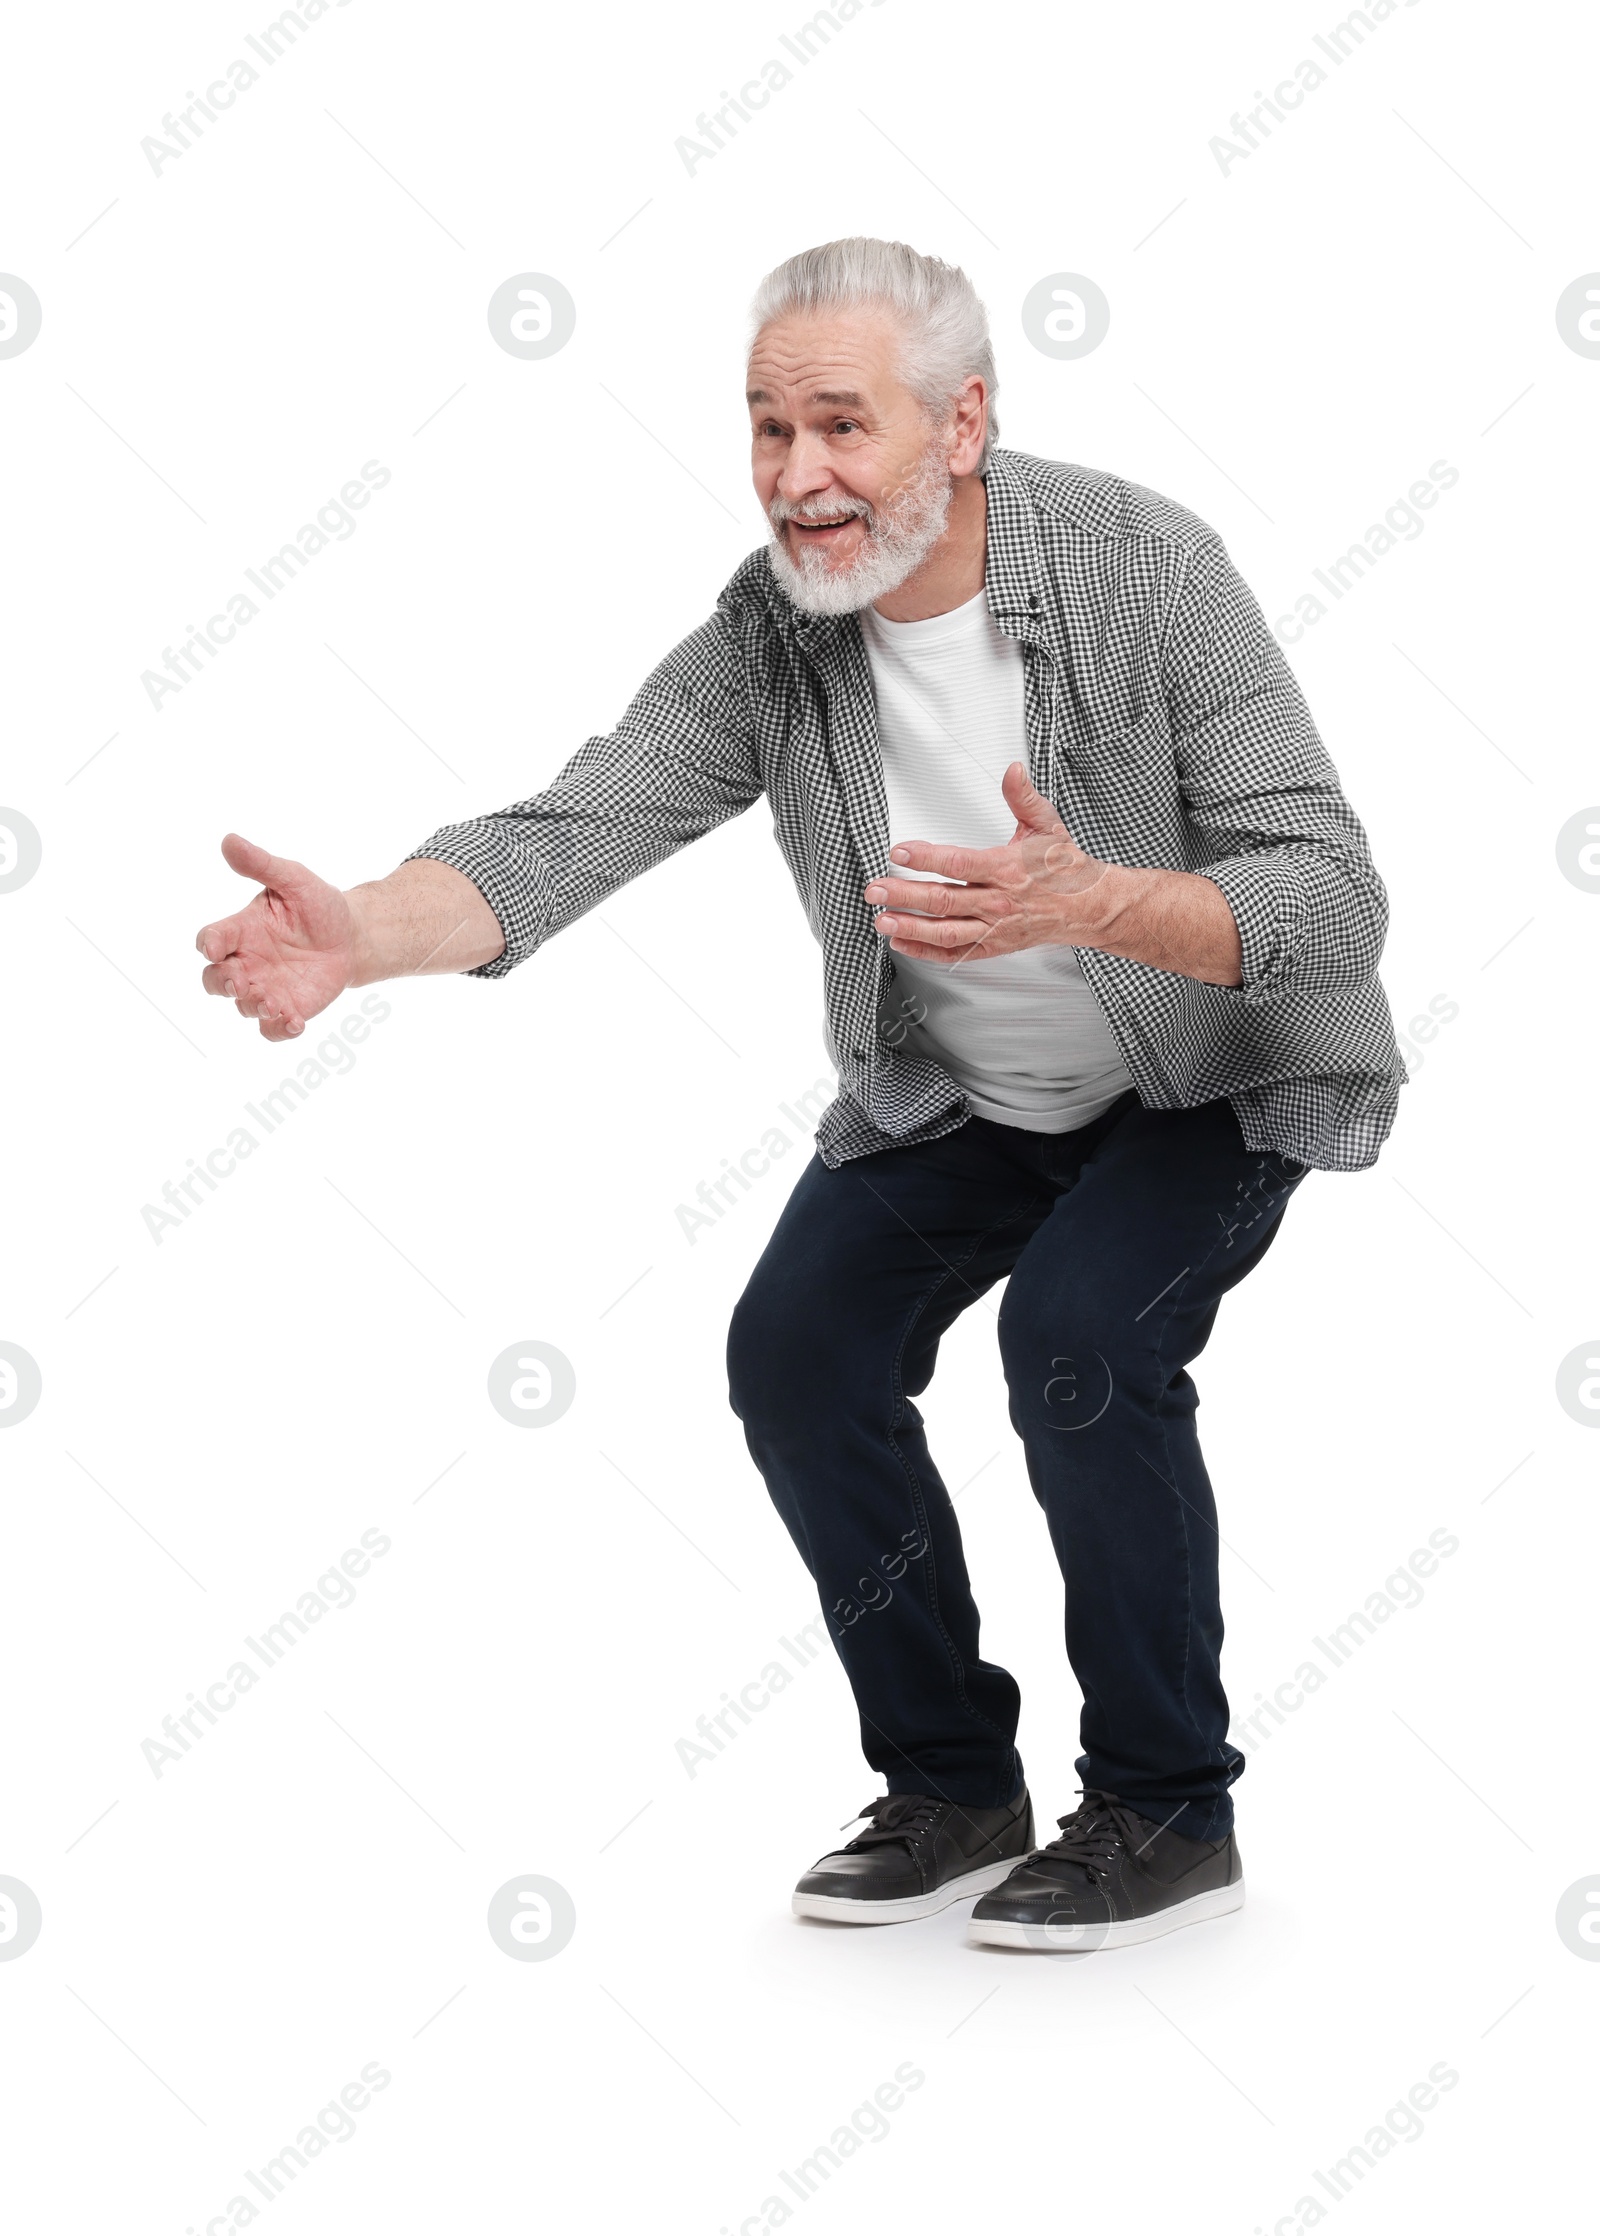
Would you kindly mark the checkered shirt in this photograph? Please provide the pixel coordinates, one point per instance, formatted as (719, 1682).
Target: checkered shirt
(1162, 721)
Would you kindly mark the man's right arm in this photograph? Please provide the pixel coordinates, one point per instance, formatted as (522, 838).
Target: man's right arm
(301, 942)
(423, 917)
(482, 895)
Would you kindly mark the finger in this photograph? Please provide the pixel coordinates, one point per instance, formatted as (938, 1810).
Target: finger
(950, 958)
(251, 999)
(941, 938)
(964, 862)
(937, 900)
(220, 939)
(278, 1019)
(1031, 809)
(227, 979)
(921, 953)
(250, 860)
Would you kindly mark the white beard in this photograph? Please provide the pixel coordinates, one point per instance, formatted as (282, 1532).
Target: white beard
(899, 537)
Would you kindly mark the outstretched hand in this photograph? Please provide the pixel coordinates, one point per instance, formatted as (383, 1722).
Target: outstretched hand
(288, 953)
(1032, 892)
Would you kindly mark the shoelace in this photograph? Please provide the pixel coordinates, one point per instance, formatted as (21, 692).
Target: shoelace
(895, 1816)
(1094, 1836)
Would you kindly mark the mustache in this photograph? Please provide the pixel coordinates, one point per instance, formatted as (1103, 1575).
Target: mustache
(819, 508)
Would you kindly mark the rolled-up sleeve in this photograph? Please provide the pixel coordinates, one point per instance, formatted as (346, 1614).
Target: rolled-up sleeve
(681, 760)
(1275, 831)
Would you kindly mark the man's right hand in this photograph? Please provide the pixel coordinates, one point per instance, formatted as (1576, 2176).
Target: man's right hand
(300, 942)
(287, 954)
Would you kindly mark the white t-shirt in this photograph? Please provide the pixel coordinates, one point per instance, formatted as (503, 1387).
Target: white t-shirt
(1023, 1033)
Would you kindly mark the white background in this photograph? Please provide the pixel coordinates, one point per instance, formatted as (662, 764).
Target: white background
(226, 1410)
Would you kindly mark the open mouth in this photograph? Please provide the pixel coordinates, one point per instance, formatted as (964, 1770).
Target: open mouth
(826, 530)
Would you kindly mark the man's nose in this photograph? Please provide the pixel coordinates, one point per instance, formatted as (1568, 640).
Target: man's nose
(805, 470)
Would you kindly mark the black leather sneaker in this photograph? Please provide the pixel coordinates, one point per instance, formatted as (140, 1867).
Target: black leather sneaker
(1113, 1878)
(917, 1855)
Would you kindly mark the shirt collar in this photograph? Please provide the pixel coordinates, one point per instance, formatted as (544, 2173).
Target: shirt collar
(1012, 564)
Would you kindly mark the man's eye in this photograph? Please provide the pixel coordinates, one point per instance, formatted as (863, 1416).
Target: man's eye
(846, 426)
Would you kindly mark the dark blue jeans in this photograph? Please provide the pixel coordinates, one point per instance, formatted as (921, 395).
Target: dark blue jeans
(1119, 1240)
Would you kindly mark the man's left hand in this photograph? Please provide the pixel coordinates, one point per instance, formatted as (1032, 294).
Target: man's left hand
(1035, 891)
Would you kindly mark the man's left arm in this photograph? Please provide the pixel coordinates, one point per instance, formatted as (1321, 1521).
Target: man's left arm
(1288, 900)
(1285, 848)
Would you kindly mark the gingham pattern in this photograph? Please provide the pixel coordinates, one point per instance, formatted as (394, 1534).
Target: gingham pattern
(1163, 722)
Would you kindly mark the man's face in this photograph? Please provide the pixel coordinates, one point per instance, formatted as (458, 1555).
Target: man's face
(853, 475)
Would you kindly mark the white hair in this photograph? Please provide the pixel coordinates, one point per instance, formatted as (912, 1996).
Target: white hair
(944, 326)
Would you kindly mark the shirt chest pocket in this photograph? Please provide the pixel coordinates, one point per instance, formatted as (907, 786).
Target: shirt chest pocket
(1145, 735)
(1122, 784)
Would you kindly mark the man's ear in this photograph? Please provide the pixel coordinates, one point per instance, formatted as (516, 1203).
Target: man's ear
(971, 419)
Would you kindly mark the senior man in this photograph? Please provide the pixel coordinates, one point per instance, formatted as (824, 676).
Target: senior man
(1100, 939)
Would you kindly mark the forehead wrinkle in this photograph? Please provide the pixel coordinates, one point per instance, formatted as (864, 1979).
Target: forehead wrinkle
(838, 398)
(845, 363)
(833, 376)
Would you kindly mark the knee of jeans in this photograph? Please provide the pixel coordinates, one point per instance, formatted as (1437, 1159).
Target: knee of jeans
(748, 1343)
(1065, 1369)
(797, 1362)
(774, 1372)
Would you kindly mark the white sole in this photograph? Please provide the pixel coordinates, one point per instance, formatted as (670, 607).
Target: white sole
(1122, 1933)
(838, 1909)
